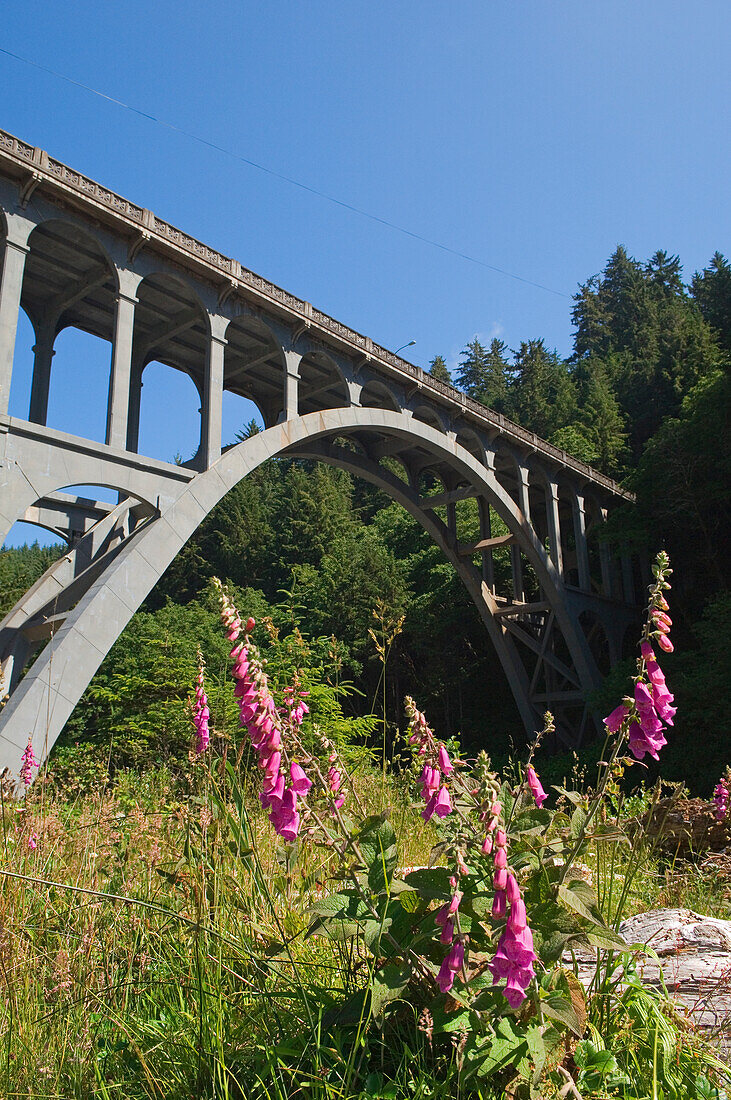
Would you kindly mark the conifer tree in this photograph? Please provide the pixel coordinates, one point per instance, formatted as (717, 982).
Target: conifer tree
(542, 392)
(483, 373)
(472, 370)
(438, 369)
(711, 289)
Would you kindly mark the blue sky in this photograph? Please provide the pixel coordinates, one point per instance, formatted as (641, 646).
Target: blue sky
(532, 136)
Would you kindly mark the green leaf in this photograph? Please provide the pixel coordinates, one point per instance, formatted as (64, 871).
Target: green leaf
(558, 1007)
(607, 939)
(431, 883)
(578, 820)
(372, 932)
(388, 984)
(507, 1048)
(580, 897)
(536, 1049)
(530, 821)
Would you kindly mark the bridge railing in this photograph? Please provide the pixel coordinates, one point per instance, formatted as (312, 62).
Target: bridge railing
(41, 166)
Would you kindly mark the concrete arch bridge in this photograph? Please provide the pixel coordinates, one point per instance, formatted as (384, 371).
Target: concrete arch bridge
(76, 255)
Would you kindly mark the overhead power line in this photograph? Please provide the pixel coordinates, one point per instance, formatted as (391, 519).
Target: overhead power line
(281, 176)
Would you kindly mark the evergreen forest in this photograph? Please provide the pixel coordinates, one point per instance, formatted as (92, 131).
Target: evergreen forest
(644, 397)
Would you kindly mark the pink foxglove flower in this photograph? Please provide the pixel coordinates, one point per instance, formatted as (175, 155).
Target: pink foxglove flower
(300, 783)
(536, 788)
(614, 720)
(722, 796)
(450, 966)
(444, 762)
(28, 762)
(33, 841)
(201, 713)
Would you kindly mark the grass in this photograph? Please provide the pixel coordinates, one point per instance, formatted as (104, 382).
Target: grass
(153, 945)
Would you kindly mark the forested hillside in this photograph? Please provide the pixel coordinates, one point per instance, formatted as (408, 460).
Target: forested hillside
(644, 397)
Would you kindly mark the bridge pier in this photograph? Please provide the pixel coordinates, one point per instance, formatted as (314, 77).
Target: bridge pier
(11, 286)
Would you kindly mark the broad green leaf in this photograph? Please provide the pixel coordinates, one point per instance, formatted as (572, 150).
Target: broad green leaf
(431, 883)
(388, 984)
(578, 821)
(580, 897)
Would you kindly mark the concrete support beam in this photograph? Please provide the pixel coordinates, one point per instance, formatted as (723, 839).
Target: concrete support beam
(118, 402)
(605, 561)
(582, 549)
(134, 405)
(554, 526)
(292, 360)
(212, 402)
(524, 492)
(486, 544)
(42, 357)
(517, 569)
(11, 286)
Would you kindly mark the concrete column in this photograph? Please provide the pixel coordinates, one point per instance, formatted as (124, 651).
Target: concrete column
(135, 401)
(355, 389)
(605, 560)
(43, 354)
(524, 492)
(11, 287)
(517, 568)
(488, 565)
(582, 550)
(452, 520)
(554, 526)
(212, 411)
(628, 583)
(292, 360)
(118, 402)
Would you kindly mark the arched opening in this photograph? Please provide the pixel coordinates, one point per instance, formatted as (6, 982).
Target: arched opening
(253, 370)
(79, 390)
(429, 416)
(170, 345)
(174, 437)
(321, 384)
(376, 395)
(69, 284)
(99, 621)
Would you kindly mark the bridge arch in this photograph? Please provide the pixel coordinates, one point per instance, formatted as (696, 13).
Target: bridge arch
(44, 699)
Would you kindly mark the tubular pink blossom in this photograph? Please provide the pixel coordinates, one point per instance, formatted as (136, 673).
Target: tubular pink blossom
(33, 841)
(500, 879)
(512, 889)
(300, 783)
(28, 762)
(447, 934)
(498, 905)
(664, 642)
(444, 762)
(536, 787)
(487, 845)
(443, 805)
(614, 720)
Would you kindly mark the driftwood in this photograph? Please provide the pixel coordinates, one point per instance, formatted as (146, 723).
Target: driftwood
(685, 826)
(693, 966)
